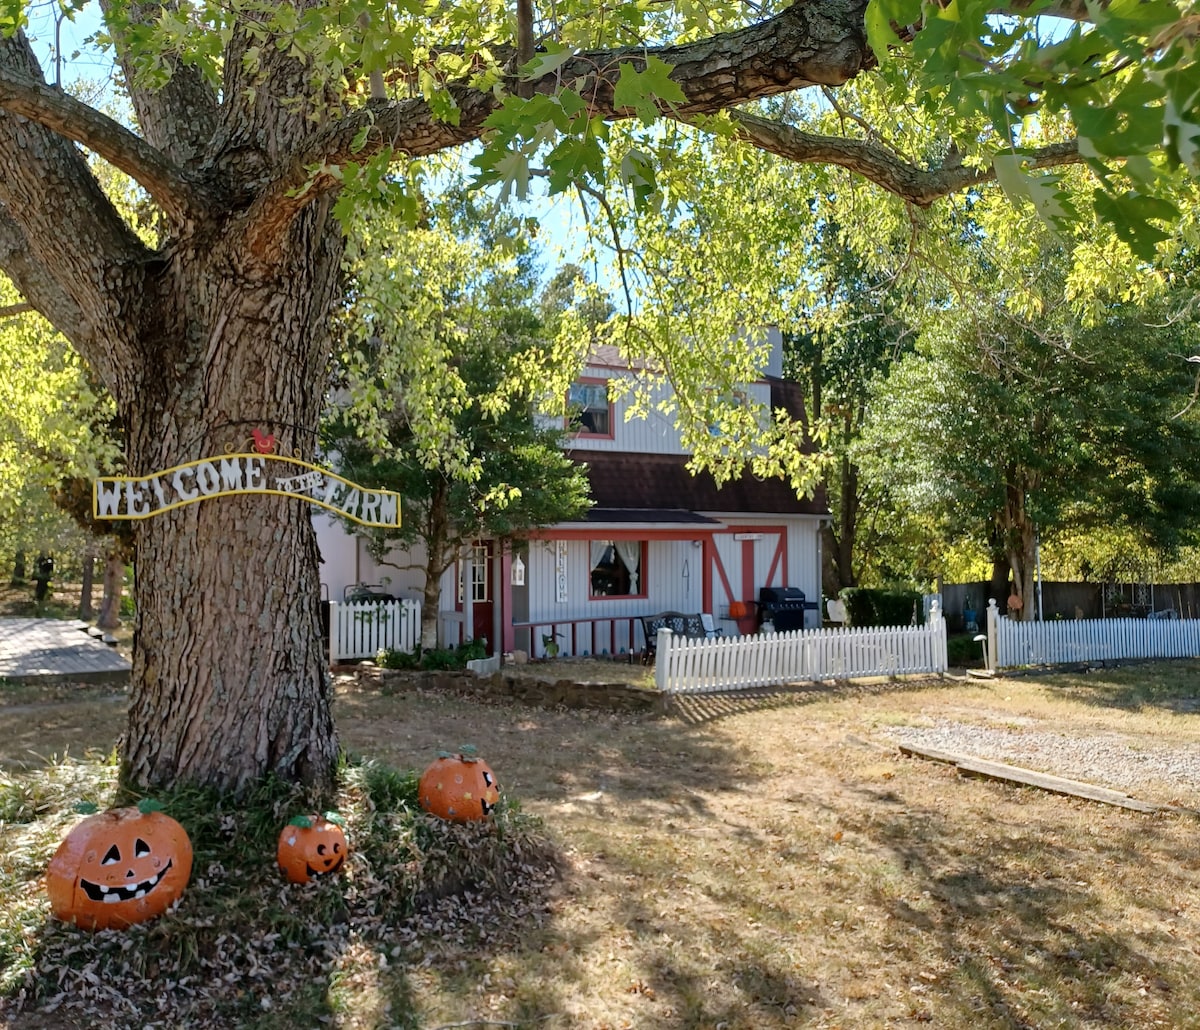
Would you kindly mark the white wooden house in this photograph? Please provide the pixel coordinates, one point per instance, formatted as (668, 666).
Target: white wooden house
(657, 539)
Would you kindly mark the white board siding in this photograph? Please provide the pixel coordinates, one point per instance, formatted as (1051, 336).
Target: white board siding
(668, 588)
(656, 433)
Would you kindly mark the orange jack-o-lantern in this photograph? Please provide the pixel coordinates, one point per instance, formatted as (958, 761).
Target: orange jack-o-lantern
(311, 846)
(458, 787)
(119, 867)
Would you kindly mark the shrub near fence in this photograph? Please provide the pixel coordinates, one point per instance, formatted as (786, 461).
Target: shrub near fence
(870, 606)
(361, 629)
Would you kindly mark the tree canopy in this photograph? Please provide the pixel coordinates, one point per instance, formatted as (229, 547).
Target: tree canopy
(459, 440)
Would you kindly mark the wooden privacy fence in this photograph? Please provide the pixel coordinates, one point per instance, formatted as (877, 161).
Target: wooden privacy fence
(772, 659)
(360, 629)
(1067, 641)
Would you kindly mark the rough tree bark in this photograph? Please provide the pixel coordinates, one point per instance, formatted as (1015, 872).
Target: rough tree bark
(1020, 537)
(222, 328)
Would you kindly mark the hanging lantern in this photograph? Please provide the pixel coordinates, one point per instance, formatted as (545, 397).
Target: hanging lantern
(518, 571)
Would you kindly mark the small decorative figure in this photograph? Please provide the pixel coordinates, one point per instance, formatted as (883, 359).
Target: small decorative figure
(459, 787)
(264, 443)
(119, 867)
(311, 846)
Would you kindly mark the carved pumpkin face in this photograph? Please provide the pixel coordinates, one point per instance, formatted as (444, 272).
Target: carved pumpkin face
(119, 867)
(311, 846)
(459, 788)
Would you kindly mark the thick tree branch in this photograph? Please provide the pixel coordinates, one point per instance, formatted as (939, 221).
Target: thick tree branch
(818, 42)
(72, 256)
(920, 186)
(180, 199)
(179, 116)
(41, 292)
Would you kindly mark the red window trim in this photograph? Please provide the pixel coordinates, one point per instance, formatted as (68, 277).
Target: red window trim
(583, 434)
(642, 570)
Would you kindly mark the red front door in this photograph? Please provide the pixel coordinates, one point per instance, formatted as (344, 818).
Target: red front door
(483, 600)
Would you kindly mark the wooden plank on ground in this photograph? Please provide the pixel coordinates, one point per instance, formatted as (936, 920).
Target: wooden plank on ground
(1028, 777)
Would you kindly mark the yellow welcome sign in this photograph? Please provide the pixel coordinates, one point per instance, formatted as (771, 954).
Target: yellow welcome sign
(128, 497)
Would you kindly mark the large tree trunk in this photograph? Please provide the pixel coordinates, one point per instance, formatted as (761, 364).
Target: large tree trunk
(437, 534)
(1020, 536)
(230, 680)
(110, 601)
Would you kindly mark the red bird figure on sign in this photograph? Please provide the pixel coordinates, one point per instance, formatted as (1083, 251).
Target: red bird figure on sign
(263, 443)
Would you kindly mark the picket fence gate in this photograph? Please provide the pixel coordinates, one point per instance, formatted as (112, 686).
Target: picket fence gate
(685, 666)
(1068, 641)
(360, 629)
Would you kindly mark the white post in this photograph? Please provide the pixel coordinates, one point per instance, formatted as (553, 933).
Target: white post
(662, 657)
(333, 634)
(468, 588)
(993, 625)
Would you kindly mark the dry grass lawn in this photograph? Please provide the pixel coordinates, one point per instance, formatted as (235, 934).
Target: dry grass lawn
(773, 861)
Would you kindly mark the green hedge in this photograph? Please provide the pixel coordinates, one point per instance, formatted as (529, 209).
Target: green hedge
(868, 606)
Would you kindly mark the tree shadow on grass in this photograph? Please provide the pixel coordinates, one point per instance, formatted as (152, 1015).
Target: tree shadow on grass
(699, 709)
(1026, 942)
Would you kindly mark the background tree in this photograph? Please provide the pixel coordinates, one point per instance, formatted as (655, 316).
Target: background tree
(257, 122)
(839, 346)
(51, 428)
(1012, 431)
(459, 442)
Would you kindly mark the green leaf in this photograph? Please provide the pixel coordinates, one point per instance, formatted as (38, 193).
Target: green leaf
(513, 172)
(546, 63)
(148, 805)
(333, 817)
(303, 821)
(1181, 117)
(576, 159)
(638, 173)
(1130, 214)
(86, 807)
(643, 92)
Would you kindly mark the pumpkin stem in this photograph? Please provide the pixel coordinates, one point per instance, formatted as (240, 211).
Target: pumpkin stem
(468, 752)
(303, 821)
(148, 805)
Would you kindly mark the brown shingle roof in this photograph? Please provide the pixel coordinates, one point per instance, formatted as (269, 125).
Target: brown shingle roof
(625, 480)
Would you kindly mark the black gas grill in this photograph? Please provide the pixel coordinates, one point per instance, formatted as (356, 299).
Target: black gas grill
(782, 606)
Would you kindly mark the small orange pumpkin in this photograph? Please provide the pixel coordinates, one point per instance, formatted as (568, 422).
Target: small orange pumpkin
(311, 846)
(738, 609)
(458, 787)
(119, 867)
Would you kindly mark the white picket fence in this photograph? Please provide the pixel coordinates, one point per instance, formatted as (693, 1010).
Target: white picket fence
(685, 666)
(1063, 642)
(360, 629)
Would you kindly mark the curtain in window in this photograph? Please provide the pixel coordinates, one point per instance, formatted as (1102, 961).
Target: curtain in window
(631, 554)
(598, 547)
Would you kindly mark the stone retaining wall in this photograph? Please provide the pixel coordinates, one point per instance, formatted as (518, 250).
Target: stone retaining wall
(505, 686)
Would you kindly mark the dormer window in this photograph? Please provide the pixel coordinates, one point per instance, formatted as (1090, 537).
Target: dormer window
(590, 411)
